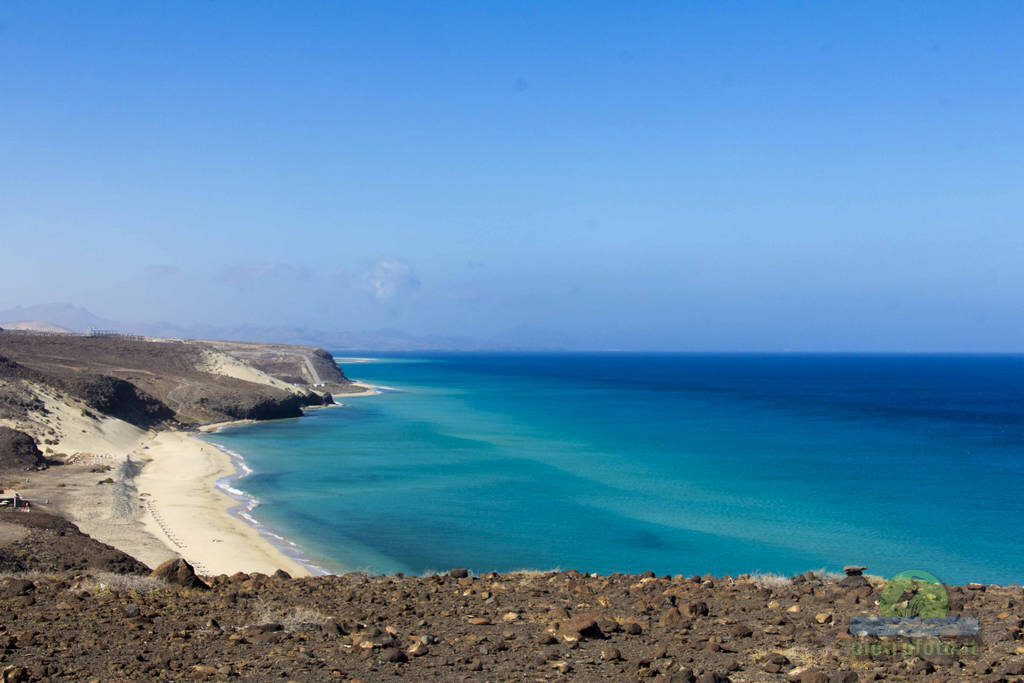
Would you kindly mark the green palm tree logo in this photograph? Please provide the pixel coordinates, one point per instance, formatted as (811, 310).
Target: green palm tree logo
(914, 593)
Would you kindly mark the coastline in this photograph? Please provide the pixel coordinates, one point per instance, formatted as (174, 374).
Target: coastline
(193, 516)
(245, 504)
(157, 495)
(366, 390)
(264, 540)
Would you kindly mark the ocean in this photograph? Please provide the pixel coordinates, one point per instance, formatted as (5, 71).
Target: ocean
(675, 463)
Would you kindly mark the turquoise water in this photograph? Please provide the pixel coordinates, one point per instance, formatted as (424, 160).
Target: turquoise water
(673, 463)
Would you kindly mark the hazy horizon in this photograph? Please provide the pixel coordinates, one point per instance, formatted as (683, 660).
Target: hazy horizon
(657, 177)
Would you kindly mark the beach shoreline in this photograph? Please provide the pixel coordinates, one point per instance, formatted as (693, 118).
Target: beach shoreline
(170, 494)
(366, 390)
(255, 546)
(195, 517)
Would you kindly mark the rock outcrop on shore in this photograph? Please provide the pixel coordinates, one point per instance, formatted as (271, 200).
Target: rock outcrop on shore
(18, 451)
(500, 627)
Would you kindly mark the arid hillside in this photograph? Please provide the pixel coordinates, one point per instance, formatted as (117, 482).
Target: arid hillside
(149, 382)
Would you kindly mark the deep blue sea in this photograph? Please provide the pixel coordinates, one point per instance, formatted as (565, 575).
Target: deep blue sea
(673, 463)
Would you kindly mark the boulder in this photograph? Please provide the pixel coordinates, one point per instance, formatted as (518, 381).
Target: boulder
(580, 628)
(854, 581)
(673, 618)
(178, 572)
(697, 608)
(18, 451)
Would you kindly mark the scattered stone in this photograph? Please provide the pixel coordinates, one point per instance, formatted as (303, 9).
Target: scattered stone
(684, 675)
(458, 573)
(855, 581)
(811, 676)
(202, 672)
(672, 618)
(713, 677)
(741, 631)
(15, 587)
(853, 570)
(697, 608)
(14, 674)
(80, 626)
(1014, 668)
(561, 666)
(580, 628)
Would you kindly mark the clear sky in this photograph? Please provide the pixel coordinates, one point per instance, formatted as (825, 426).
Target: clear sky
(636, 175)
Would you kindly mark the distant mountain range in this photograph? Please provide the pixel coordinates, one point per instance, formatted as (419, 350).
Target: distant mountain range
(68, 318)
(65, 316)
(36, 326)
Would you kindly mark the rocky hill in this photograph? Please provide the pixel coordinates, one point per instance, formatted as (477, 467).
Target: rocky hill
(149, 382)
(293, 364)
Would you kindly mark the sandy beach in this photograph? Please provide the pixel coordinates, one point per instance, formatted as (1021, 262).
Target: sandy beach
(154, 496)
(365, 390)
(187, 511)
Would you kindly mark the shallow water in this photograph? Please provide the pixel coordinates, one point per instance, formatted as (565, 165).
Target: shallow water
(673, 463)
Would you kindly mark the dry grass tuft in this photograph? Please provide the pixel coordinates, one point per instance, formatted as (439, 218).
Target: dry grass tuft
(770, 581)
(121, 583)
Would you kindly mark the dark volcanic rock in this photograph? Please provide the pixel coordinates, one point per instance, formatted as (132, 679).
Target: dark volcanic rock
(53, 544)
(854, 581)
(178, 572)
(391, 628)
(697, 608)
(18, 450)
(583, 627)
(118, 398)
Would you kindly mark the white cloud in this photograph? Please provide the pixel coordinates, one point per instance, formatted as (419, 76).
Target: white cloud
(388, 278)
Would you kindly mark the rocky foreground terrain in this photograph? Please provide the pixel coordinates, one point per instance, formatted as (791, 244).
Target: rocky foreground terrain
(88, 612)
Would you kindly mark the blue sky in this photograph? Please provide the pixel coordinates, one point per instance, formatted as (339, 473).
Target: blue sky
(692, 176)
